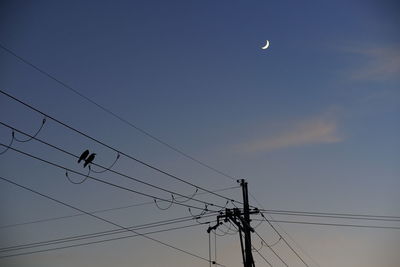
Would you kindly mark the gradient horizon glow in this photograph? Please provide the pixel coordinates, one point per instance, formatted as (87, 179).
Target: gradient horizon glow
(312, 123)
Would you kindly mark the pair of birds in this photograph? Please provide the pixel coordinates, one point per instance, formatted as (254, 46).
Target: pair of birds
(85, 156)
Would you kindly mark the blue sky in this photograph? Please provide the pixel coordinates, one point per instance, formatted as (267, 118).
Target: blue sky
(312, 122)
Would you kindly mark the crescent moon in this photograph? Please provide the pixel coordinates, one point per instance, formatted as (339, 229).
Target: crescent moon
(266, 45)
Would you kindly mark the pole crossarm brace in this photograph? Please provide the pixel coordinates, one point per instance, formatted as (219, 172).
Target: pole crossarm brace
(241, 219)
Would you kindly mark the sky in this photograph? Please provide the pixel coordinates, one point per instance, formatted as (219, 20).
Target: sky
(312, 123)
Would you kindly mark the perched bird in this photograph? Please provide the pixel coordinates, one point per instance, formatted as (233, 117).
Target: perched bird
(83, 155)
(89, 159)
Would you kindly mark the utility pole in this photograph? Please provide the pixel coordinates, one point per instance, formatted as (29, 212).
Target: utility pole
(241, 218)
(246, 225)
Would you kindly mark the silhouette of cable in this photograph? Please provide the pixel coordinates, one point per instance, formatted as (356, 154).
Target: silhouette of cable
(351, 216)
(105, 220)
(270, 248)
(99, 180)
(274, 244)
(280, 236)
(148, 134)
(187, 198)
(9, 145)
(97, 211)
(167, 207)
(74, 238)
(229, 230)
(338, 224)
(116, 150)
(201, 213)
(265, 259)
(258, 252)
(215, 247)
(113, 171)
(97, 242)
(209, 248)
(258, 249)
(108, 168)
(284, 240)
(33, 136)
(77, 182)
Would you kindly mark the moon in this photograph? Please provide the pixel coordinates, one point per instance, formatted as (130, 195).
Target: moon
(265, 46)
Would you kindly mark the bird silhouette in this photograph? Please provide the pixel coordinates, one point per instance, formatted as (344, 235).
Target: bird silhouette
(89, 159)
(83, 155)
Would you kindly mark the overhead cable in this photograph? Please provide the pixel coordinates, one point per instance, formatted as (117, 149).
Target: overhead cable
(107, 221)
(111, 170)
(97, 211)
(116, 150)
(147, 133)
(102, 181)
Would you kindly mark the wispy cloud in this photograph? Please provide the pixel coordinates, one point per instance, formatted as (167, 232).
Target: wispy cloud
(318, 130)
(379, 63)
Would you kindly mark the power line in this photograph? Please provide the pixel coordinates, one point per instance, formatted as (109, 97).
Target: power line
(281, 237)
(98, 242)
(276, 254)
(148, 134)
(105, 182)
(113, 171)
(114, 149)
(97, 211)
(265, 259)
(339, 224)
(107, 221)
(334, 215)
(257, 251)
(74, 238)
(284, 240)
(287, 234)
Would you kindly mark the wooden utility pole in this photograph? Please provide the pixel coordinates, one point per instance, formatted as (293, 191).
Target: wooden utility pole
(246, 225)
(241, 218)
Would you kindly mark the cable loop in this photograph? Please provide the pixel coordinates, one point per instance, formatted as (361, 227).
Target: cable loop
(229, 230)
(257, 250)
(9, 145)
(169, 206)
(270, 246)
(259, 223)
(199, 216)
(187, 198)
(79, 182)
(33, 136)
(204, 211)
(109, 168)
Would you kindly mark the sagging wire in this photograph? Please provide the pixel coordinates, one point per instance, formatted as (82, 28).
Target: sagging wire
(258, 249)
(221, 211)
(13, 137)
(209, 248)
(265, 244)
(204, 211)
(33, 136)
(215, 246)
(79, 182)
(187, 198)
(159, 207)
(255, 227)
(109, 168)
(220, 235)
(11, 142)
(280, 238)
(229, 230)
(173, 200)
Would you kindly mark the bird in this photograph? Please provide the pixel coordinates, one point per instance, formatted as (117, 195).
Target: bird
(83, 155)
(89, 159)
